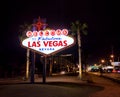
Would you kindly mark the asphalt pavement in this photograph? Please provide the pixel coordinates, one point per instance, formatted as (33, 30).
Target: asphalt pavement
(60, 86)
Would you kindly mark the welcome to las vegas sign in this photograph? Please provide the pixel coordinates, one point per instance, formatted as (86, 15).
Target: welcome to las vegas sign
(48, 42)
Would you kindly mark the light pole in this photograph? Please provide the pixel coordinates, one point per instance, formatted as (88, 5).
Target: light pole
(102, 61)
(112, 57)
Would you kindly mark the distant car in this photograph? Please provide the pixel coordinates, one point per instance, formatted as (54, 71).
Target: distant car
(108, 69)
(117, 68)
(94, 70)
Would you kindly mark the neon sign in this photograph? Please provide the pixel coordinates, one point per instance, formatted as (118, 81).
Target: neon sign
(48, 41)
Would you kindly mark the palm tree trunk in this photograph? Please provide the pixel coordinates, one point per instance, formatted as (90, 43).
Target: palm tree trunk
(79, 51)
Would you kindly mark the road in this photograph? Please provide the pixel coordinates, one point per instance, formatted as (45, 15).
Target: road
(111, 88)
(62, 86)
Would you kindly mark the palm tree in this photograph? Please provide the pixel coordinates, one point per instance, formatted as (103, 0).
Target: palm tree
(23, 29)
(78, 27)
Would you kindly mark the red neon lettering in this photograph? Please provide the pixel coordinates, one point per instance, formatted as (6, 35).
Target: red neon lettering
(58, 32)
(65, 32)
(52, 32)
(45, 43)
(46, 33)
(65, 43)
(38, 43)
(34, 44)
(60, 43)
(29, 44)
(40, 33)
(55, 43)
(35, 33)
(29, 34)
(50, 43)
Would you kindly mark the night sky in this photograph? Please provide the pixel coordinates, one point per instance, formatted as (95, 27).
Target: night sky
(98, 14)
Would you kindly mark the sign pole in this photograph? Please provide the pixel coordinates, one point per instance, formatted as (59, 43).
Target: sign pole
(27, 63)
(32, 67)
(44, 70)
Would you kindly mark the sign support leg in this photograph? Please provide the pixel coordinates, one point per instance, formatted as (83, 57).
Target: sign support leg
(32, 67)
(44, 70)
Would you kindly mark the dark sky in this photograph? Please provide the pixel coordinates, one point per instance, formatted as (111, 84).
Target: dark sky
(98, 14)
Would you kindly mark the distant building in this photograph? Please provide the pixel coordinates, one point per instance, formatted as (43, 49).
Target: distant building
(115, 63)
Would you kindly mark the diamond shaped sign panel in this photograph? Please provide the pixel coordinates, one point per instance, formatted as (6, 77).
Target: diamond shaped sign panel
(48, 44)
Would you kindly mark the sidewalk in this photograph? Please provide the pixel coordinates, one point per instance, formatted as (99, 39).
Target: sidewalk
(112, 76)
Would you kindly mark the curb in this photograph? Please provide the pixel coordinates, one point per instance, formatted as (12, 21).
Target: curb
(113, 79)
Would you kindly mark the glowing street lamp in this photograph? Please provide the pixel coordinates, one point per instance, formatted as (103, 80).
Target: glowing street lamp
(102, 61)
(110, 60)
(112, 57)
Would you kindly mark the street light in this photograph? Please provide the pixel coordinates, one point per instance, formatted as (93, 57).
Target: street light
(102, 61)
(112, 57)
